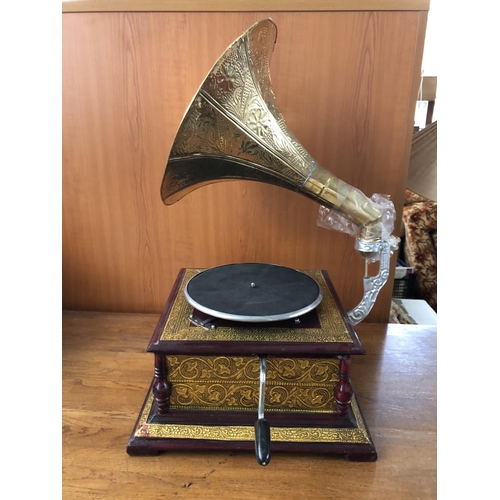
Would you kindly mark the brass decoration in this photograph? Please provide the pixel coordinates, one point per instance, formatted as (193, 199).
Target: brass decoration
(333, 328)
(234, 130)
(232, 383)
(247, 433)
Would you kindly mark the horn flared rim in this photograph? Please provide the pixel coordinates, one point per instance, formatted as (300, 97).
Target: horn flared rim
(245, 34)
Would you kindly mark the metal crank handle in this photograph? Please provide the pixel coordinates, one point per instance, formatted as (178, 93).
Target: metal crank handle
(262, 427)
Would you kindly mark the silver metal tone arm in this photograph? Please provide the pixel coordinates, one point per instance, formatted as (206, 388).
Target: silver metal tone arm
(371, 284)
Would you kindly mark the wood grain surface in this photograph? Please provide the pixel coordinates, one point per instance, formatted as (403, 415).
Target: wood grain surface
(239, 5)
(106, 373)
(346, 83)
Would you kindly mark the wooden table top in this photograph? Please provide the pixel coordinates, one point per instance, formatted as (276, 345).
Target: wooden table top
(107, 372)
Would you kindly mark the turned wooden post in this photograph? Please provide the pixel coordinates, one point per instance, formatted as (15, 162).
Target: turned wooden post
(343, 389)
(161, 386)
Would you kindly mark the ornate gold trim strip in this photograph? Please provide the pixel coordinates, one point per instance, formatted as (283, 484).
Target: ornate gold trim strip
(246, 433)
(333, 328)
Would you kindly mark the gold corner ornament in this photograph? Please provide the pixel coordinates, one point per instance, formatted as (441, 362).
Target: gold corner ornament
(247, 433)
(333, 328)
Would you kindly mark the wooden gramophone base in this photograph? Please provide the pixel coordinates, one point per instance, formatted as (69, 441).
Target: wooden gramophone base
(205, 390)
(221, 430)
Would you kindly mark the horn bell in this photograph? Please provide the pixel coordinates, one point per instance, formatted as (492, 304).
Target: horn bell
(233, 130)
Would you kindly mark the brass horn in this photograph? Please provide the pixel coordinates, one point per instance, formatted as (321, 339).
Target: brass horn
(234, 130)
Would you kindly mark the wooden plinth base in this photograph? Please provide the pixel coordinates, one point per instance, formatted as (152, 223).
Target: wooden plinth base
(189, 430)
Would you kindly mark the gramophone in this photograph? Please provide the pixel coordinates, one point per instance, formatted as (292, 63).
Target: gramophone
(244, 339)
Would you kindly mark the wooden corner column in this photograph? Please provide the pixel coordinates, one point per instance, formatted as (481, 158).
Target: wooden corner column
(161, 386)
(343, 389)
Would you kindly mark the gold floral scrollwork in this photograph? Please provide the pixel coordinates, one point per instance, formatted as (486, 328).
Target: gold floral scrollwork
(236, 433)
(225, 382)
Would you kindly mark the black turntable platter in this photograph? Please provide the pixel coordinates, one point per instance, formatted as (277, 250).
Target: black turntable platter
(253, 292)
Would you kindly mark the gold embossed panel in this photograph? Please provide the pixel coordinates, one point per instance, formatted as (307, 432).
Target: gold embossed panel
(247, 433)
(232, 383)
(333, 328)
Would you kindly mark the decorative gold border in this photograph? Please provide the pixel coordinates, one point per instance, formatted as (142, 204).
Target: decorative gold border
(247, 433)
(333, 328)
